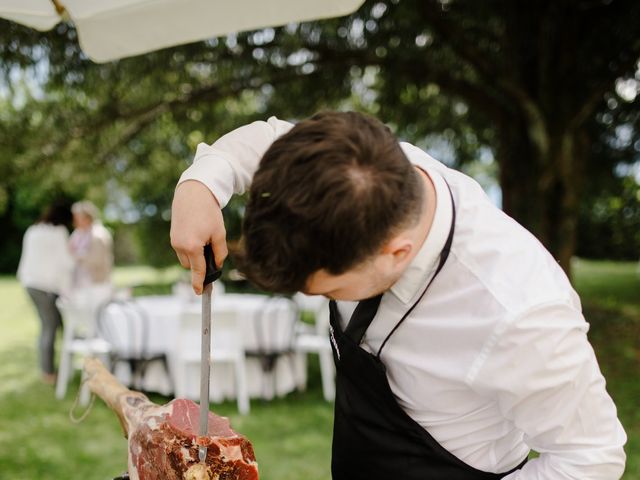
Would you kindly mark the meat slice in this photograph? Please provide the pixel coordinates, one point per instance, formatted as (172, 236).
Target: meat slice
(163, 439)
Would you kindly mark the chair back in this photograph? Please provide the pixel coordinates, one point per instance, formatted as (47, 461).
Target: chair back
(274, 328)
(83, 306)
(79, 320)
(319, 306)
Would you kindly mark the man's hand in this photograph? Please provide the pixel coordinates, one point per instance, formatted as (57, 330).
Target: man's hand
(196, 220)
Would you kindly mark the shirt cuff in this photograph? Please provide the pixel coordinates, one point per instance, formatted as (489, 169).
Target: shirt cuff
(214, 171)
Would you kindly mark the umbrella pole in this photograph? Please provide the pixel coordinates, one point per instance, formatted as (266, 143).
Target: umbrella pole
(62, 11)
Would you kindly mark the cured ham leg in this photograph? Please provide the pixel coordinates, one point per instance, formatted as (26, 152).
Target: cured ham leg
(163, 439)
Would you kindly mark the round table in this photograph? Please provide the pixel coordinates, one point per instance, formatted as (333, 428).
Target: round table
(259, 332)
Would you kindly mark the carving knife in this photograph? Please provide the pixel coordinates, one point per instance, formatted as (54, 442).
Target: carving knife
(211, 275)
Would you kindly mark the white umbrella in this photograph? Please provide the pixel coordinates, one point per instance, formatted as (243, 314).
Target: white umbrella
(112, 29)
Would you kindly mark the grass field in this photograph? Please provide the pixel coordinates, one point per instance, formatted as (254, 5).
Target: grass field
(610, 294)
(291, 436)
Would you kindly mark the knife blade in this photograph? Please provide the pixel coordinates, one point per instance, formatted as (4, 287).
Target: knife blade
(211, 275)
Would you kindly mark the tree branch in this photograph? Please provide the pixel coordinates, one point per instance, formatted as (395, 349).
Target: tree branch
(147, 115)
(468, 53)
(588, 107)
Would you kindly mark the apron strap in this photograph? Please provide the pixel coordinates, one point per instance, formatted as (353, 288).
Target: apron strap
(443, 258)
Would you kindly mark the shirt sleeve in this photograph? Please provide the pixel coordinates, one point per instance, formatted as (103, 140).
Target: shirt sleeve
(227, 166)
(545, 377)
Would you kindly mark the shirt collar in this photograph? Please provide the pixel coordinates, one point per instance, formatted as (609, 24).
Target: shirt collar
(426, 261)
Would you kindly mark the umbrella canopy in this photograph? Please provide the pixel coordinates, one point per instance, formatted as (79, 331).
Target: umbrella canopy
(113, 29)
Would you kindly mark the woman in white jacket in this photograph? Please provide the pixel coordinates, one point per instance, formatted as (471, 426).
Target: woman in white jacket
(45, 271)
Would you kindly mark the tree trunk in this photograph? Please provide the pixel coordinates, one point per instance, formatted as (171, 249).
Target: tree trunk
(541, 190)
(562, 184)
(518, 174)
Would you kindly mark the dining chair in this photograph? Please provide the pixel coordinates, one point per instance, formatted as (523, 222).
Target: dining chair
(315, 339)
(125, 326)
(79, 339)
(272, 340)
(226, 348)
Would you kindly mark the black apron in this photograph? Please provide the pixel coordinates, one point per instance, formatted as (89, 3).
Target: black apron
(373, 437)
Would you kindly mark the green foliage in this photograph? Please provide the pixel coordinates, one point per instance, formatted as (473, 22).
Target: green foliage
(463, 79)
(152, 239)
(610, 225)
(609, 219)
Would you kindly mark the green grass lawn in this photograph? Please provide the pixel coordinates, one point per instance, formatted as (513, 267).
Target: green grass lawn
(610, 293)
(291, 436)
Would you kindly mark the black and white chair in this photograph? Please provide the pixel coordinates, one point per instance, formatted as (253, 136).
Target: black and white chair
(271, 339)
(226, 350)
(125, 326)
(79, 340)
(314, 339)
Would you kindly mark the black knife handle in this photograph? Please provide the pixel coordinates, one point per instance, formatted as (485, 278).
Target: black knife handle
(212, 273)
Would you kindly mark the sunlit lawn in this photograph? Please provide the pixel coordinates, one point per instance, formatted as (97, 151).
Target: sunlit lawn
(291, 436)
(38, 441)
(610, 295)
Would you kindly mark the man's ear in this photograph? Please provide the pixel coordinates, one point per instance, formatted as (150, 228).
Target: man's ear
(399, 248)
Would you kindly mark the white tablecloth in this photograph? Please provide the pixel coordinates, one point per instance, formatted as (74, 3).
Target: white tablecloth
(164, 313)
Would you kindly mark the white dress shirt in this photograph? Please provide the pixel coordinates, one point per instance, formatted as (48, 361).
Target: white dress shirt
(494, 361)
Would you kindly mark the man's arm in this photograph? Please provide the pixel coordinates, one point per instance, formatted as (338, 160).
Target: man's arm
(218, 171)
(544, 375)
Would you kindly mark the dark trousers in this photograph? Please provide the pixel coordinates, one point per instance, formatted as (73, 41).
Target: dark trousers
(50, 320)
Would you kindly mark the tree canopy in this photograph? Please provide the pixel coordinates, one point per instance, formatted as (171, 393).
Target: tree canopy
(543, 92)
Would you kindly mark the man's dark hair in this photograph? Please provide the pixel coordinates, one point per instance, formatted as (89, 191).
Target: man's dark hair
(327, 195)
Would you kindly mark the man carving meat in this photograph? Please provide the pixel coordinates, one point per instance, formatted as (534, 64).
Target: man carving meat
(467, 347)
